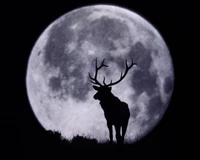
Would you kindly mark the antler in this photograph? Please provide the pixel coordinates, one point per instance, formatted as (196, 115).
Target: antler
(122, 75)
(94, 80)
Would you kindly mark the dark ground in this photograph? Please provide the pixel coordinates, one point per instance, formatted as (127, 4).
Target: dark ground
(22, 137)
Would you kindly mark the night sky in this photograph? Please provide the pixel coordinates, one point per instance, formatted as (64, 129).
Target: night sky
(24, 22)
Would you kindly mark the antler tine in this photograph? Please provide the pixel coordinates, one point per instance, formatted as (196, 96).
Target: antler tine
(131, 64)
(102, 65)
(104, 79)
(105, 82)
(94, 80)
(123, 75)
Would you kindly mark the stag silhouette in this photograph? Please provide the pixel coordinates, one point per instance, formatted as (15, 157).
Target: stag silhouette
(116, 112)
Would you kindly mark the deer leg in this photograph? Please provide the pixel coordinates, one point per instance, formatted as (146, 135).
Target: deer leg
(110, 132)
(124, 128)
(118, 136)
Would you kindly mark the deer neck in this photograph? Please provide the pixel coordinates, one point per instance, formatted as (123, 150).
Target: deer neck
(109, 100)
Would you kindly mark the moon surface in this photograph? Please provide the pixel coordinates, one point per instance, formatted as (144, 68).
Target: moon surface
(58, 86)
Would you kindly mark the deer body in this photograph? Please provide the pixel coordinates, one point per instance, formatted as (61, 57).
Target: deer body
(116, 112)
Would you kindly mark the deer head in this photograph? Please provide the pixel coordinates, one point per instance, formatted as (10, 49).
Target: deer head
(103, 90)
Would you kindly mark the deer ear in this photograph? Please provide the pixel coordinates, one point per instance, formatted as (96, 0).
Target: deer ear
(96, 88)
(110, 88)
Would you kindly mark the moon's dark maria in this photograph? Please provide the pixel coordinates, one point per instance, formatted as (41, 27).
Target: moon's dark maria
(58, 86)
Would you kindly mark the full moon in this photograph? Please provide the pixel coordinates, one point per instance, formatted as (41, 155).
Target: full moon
(58, 86)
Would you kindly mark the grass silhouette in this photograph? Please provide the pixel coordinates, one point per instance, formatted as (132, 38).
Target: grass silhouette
(51, 145)
(87, 144)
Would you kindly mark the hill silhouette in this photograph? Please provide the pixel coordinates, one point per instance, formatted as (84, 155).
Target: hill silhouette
(81, 143)
(52, 146)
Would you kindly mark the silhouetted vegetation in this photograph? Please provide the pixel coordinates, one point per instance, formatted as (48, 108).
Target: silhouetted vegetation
(88, 145)
(50, 145)
(84, 144)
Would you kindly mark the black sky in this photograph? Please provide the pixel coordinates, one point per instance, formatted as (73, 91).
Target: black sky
(177, 23)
